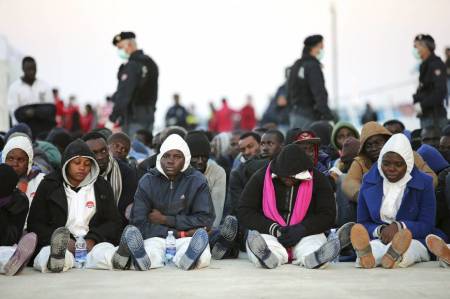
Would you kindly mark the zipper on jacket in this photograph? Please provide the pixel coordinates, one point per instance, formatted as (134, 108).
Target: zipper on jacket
(290, 206)
(171, 185)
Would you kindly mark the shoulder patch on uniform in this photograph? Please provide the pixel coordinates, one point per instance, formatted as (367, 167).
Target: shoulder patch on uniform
(123, 77)
(437, 72)
(301, 73)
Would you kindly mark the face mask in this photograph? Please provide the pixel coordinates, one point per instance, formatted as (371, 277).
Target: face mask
(320, 55)
(416, 54)
(122, 54)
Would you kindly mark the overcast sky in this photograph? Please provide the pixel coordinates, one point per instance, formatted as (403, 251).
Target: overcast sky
(208, 49)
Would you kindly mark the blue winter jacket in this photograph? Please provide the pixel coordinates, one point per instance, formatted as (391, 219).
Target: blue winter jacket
(186, 202)
(417, 210)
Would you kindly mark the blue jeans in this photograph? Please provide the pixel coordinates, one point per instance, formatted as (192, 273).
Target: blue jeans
(436, 122)
(142, 117)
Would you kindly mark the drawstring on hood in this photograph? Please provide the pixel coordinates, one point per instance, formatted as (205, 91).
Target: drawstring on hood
(75, 149)
(174, 142)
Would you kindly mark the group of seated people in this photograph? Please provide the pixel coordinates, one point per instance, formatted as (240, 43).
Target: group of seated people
(277, 197)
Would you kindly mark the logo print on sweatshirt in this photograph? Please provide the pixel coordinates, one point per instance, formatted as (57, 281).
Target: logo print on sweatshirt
(90, 204)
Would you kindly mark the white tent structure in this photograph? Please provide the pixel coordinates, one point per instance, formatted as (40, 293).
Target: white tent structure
(10, 60)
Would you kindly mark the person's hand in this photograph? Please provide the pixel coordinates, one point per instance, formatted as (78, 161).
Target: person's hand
(157, 217)
(128, 211)
(418, 109)
(291, 235)
(334, 175)
(90, 244)
(109, 125)
(71, 246)
(388, 232)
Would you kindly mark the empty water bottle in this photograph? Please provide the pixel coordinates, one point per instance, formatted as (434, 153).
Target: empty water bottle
(171, 248)
(80, 252)
(331, 236)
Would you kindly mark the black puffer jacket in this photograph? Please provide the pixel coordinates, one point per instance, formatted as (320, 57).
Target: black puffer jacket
(49, 209)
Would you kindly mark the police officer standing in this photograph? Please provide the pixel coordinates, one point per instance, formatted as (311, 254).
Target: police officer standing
(137, 90)
(306, 92)
(430, 98)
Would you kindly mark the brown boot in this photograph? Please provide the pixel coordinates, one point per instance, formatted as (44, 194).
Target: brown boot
(439, 248)
(361, 243)
(400, 243)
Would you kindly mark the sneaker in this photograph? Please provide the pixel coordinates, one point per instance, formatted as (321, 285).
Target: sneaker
(322, 256)
(121, 258)
(197, 245)
(344, 233)
(439, 248)
(259, 248)
(24, 251)
(58, 247)
(135, 244)
(228, 233)
(361, 243)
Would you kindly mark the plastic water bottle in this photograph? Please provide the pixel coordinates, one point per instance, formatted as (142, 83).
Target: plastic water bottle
(80, 253)
(333, 235)
(171, 248)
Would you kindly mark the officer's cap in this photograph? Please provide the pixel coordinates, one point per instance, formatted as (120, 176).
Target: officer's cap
(427, 40)
(313, 40)
(123, 35)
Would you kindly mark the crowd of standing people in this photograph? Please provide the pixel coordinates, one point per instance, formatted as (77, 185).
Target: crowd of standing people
(299, 187)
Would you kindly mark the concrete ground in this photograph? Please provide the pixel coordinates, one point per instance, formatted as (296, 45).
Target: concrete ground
(233, 279)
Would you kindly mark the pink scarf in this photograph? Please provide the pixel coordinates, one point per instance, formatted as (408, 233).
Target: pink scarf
(301, 205)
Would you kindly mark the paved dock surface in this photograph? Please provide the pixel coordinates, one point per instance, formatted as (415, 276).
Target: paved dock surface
(233, 279)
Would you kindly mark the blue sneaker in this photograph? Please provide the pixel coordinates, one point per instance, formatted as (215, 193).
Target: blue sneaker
(121, 258)
(135, 243)
(195, 249)
(259, 248)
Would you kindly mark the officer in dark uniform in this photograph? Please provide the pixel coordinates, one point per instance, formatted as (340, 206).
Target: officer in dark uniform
(431, 96)
(137, 90)
(306, 92)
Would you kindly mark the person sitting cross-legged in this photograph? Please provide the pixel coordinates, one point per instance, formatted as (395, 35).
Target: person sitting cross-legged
(171, 197)
(288, 206)
(396, 210)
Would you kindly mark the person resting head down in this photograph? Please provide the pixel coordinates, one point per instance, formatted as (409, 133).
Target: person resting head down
(288, 206)
(396, 210)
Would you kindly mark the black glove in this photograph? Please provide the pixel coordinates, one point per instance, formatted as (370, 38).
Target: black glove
(291, 235)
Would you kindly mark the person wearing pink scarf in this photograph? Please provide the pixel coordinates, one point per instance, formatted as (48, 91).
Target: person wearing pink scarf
(287, 207)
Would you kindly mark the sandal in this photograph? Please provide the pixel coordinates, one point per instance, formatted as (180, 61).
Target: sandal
(400, 243)
(439, 248)
(361, 243)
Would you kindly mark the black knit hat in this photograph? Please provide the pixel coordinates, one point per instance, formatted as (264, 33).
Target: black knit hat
(76, 148)
(198, 144)
(394, 122)
(291, 161)
(9, 180)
